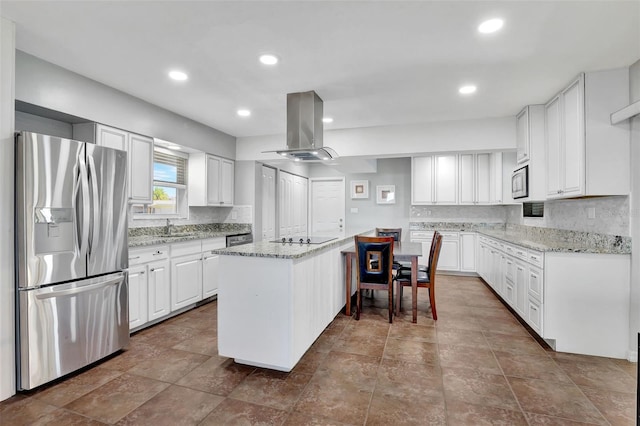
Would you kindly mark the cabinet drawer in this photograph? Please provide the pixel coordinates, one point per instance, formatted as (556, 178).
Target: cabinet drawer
(534, 315)
(521, 253)
(510, 270)
(421, 235)
(536, 258)
(214, 243)
(534, 283)
(145, 255)
(449, 235)
(185, 248)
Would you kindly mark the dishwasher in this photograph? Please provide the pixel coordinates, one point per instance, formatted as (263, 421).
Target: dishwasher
(239, 239)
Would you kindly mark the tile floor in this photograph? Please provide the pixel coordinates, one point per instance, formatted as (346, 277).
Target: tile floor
(476, 365)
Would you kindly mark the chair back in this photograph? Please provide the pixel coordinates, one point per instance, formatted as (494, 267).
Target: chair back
(434, 256)
(396, 233)
(374, 257)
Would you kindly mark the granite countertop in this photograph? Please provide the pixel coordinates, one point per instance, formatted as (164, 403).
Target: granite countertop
(286, 250)
(152, 240)
(556, 245)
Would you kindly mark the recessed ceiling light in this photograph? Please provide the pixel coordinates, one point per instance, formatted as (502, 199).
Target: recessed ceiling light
(490, 26)
(269, 59)
(244, 112)
(296, 159)
(327, 120)
(178, 75)
(467, 90)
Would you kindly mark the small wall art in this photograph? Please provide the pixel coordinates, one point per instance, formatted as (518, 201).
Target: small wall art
(359, 189)
(386, 194)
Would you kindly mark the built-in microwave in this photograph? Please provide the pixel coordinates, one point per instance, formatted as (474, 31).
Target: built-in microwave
(520, 183)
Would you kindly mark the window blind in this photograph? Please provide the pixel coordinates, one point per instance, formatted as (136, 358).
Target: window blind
(169, 168)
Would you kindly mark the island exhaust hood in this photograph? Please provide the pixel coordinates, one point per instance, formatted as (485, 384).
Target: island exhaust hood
(304, 129)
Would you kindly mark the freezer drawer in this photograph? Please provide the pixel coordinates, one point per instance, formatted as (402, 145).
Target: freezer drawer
(68, 326)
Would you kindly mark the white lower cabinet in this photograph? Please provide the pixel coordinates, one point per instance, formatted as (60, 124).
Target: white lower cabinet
(521, 288)
(186, 279)
(450, 252)
(534, 315)
(149, 285)
(468, 251)
(210, 266)
(138, 296)
(159, 290)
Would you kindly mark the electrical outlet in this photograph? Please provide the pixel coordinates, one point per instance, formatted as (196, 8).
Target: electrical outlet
(591, 213)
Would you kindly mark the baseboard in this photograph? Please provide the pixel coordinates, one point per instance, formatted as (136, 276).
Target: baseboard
(632, 356)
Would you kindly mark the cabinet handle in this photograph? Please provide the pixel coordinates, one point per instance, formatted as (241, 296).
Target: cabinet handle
(152, 269)
(157, 253)
(133, 258)
(142, 272)
(534, 257)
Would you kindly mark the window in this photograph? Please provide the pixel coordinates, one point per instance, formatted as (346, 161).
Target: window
(169, 186)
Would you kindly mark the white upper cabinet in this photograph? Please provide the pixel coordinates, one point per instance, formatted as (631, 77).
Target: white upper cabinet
(434, 179)
(585, 154)
(140, 169)
(139, 156)
(112, 138)
(211, 180)
(523, 141)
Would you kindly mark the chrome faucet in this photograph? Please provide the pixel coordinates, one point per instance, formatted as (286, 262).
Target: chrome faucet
(168, 228)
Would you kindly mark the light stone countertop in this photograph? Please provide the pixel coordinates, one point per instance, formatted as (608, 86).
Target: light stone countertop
(152, 240)
(287, 250)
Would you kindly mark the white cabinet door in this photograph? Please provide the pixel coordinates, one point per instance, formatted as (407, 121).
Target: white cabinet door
(140, 169)
(449, 252)
(209, 275)
(159, 289)
(522, 136)
(446, 179)
(534, 283)
(521, 289)
(573, 138)
(226, 182)
(534, 315)
(186, 280)
(285, 204)
(213, 180)
(553, 139)
(483, 178)
(137, 296)
(496, 195)
(467, 167)
(468, 251)
(422, 176)
(268, 203)
(111, 138)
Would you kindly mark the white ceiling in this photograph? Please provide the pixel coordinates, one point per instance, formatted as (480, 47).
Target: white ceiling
(372, 62)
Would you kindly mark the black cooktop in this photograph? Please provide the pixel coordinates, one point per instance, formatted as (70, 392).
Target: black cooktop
(304, 240)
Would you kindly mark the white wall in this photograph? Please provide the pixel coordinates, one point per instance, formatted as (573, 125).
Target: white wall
(390, 171)
(7, 285)
(491, 134)
(47, 85)
(634, 320)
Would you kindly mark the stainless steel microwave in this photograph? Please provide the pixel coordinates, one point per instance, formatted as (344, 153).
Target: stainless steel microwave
(520, 183)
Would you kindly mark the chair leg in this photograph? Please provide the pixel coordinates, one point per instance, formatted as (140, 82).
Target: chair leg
(390, 304)
(432, 301)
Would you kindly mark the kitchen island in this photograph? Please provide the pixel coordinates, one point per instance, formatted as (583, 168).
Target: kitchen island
(275, 299)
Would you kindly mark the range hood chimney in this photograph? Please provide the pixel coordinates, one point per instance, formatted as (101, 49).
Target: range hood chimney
(304, 129)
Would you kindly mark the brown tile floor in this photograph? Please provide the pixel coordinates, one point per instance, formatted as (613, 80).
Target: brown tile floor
(476, 365)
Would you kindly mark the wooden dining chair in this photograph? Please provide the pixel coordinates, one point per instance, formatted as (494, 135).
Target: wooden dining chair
(423, 268)
(396, 233)
(425, 279)
(374, 266)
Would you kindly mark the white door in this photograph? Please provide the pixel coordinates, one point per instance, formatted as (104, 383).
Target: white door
(137, 296)
(186, 280)
(327, 207)
(226, 182)
(268, 203)
(159, 289)
(209, 275)
(213, 180)
(285, 204)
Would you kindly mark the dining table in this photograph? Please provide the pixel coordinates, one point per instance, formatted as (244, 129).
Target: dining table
(402, 251)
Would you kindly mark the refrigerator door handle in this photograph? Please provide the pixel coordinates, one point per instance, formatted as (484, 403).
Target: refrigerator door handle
(95, 215)
(84, 178)
(80, 289)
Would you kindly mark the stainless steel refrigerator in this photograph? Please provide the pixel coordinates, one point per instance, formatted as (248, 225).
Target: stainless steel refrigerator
(72, 255)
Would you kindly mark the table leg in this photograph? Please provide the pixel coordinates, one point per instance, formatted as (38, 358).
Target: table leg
(414, 288)
(347, 281)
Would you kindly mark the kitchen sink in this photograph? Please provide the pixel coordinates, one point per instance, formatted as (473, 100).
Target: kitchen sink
(178, 235)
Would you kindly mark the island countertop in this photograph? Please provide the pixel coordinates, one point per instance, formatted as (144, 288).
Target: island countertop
(287, 250)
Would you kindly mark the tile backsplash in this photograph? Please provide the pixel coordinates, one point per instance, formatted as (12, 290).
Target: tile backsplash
(458, 214)
(202, 215)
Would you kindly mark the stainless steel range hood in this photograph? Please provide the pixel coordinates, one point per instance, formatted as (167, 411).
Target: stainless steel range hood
(304, 129)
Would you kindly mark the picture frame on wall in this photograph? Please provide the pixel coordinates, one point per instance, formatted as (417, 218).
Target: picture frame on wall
(359, 189)
(386, 194)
